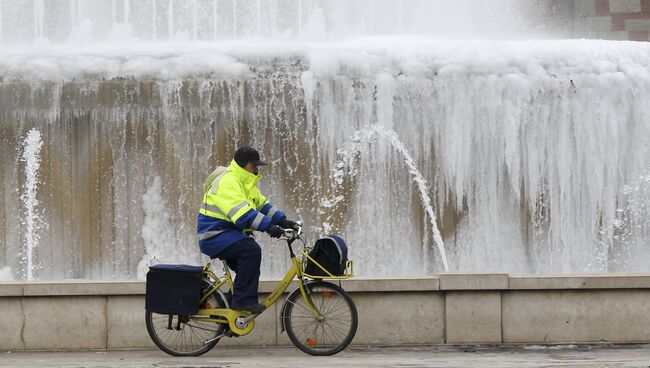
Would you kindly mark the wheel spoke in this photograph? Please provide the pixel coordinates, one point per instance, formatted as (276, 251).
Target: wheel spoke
(303, 307)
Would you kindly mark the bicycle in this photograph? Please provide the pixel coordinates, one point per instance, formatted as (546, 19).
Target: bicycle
(319, 317)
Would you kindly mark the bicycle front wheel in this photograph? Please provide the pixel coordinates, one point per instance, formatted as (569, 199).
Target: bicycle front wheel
(180, 335)
(330, 333)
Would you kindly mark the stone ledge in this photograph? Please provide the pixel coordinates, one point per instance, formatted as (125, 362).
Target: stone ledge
(72, 287)
(86, 287)
(367, 284)
(473, 281)
(611, 281)
(441, 282)
(371, 284)
(11, 289)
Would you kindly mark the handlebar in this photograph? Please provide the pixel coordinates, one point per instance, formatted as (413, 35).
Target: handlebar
(290, 234)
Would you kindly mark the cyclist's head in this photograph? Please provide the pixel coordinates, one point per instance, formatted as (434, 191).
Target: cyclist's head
(249, 159)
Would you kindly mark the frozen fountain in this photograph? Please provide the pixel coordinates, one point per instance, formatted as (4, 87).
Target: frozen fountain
(382, 121)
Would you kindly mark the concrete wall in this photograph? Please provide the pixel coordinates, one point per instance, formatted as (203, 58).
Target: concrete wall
(449, 308)
(612, 19)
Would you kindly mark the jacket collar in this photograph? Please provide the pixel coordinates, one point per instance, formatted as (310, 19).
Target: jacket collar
(249, 180)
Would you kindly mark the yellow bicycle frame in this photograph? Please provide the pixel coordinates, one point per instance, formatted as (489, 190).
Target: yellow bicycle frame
(246, 320)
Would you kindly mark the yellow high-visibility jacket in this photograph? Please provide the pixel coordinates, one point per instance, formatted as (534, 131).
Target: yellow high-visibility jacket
(232, 208)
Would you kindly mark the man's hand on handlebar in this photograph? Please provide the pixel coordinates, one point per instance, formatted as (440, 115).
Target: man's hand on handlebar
(293, 233)
(288, 224)
(289, 233)
(275, 231)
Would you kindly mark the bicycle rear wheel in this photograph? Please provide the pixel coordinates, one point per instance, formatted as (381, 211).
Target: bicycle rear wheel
(180, 335)
(336, 327)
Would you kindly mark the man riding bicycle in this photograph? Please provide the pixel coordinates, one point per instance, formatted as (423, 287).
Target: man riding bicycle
(232, 208)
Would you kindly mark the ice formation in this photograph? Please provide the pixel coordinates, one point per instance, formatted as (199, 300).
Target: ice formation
(158, 233)
(530, 154)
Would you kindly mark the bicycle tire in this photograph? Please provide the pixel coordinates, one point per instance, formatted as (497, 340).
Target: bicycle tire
(339, 318)
(189, 338)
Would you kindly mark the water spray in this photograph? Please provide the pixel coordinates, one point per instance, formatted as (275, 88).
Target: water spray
(347, 160)
(31, 157)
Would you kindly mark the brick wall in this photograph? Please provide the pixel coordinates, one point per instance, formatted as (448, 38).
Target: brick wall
(612, 19)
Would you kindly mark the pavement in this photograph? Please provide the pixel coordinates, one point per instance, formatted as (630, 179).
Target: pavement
(582, 356)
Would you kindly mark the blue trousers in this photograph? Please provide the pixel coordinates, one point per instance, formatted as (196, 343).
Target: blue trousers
(244, 257)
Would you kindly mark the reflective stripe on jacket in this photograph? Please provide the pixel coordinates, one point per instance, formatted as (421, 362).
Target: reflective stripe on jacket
(232, 208)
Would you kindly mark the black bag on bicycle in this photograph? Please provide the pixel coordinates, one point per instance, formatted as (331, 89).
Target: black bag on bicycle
(331, 253)
(173, 289)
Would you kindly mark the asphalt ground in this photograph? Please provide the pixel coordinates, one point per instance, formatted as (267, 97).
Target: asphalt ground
(583, 356)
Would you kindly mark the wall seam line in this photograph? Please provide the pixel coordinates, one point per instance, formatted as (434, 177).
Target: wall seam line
(444, 317)
(501, 313)
(22, 329)
(106, 322)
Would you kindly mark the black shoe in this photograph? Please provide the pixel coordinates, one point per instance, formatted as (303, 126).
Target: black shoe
(253, 308)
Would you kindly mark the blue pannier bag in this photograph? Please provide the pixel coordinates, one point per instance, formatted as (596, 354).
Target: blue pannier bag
(173, 289)
(331, 253)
